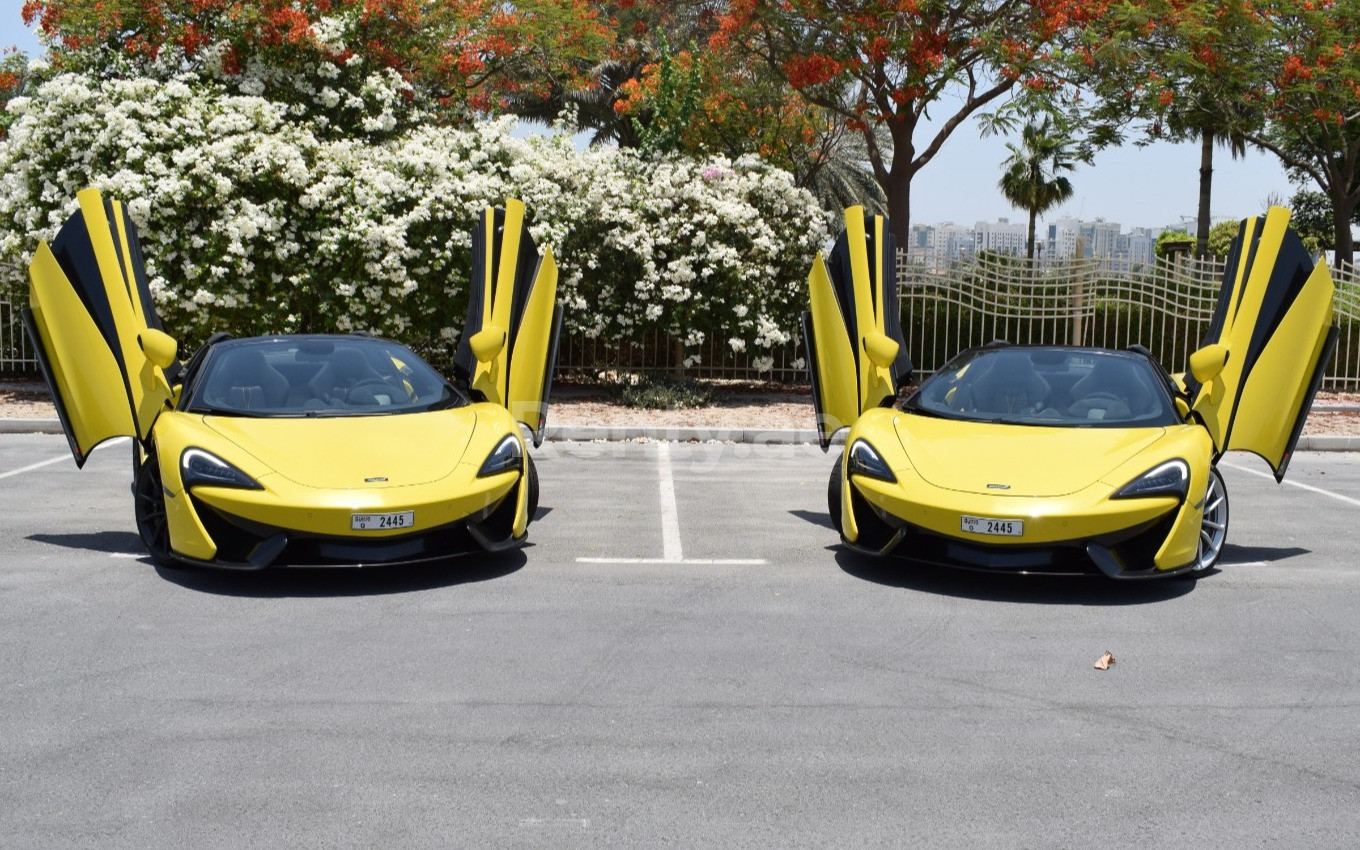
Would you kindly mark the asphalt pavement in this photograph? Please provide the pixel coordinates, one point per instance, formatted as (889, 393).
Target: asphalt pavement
(682, 656)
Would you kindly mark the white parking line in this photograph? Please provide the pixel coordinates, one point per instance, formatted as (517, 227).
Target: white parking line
(671, 551)
(1347, 499)
(670, 514)
(722, 561)
(40, 464)
(32, 466)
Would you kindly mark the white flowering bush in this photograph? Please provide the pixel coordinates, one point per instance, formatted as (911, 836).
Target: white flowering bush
(253, 222)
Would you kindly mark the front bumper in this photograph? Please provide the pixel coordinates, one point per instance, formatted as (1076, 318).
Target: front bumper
(1126, 555)
(236, 541)
(1134, 539)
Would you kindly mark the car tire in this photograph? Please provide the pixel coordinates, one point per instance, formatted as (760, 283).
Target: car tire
(533, 488)
(833, 494)
(1213, 529)
(148, 500)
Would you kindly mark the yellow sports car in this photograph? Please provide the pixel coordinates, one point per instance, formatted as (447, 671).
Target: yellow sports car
(302, 450)
(1057, 459)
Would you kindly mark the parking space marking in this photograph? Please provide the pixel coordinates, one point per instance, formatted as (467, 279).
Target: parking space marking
(40, 464)
(670, 514)
(671, 550)
(1347, 499)
(686, 561)
(32, 466)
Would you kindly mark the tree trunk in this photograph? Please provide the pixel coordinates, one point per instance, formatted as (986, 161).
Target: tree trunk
(1206, 180)
(898, 189)
(1033, 215)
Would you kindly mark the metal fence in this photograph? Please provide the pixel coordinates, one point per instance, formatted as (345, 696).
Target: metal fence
(15, 353)
(1165, 308)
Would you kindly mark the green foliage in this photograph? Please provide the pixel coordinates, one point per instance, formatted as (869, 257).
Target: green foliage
(661, 392)
(1221, 236)
(251, 223)
(673, 105)
(1033, 179)
(1176, 236)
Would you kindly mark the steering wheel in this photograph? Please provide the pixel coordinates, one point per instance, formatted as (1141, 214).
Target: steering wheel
(370, 397)
(1101, 396)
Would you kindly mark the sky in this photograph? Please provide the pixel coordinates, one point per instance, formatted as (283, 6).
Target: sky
(1155, 186)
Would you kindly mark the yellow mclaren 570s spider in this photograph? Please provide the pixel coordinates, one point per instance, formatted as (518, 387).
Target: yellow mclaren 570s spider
(302, 450)
(1055, 458)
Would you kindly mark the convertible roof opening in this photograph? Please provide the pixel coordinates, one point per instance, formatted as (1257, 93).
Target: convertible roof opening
(1056, 386)
(317, 376)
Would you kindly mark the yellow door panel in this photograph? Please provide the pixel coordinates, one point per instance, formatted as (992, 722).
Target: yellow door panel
(1274, 319)
(831, 359)
(82, 373)
(90, 316)
(508, 348)
(534, 352)
(855, 352)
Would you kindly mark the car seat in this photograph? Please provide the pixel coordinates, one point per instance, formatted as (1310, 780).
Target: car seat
(346, 368)
(1011, 385)
(245, 380)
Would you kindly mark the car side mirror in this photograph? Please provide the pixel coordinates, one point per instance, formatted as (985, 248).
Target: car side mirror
(881, 348)
(1207, 362)
(487, 343)
(159, 347)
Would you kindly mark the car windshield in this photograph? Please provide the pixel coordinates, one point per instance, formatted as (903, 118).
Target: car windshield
(317, 376)
(1054, 385)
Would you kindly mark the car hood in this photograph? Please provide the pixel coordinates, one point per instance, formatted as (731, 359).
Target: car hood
(1017, 460)
(354, 451)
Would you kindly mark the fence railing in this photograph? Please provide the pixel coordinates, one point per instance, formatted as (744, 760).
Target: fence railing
(15, 353)
(1166, 308)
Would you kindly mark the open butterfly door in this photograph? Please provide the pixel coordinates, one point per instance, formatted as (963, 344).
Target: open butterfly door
(508, 349)
(1268, 344)
(95, 330)
(852, 331)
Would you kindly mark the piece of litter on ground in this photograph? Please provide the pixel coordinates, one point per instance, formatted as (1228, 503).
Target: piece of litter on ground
(1105, 661)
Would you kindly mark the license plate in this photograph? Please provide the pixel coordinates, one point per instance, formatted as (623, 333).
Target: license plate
(382, 522)
(996, 527)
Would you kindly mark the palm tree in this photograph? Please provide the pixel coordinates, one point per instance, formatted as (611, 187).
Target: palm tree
(1212, 122)
(593, 104)
(1033, 177)
(838, 173)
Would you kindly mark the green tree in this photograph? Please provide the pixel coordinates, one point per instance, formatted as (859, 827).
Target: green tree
(1308, 64)
(885, 63)
(1033, 179)
(1184, 70)
(1221, 236)
(457, 57)
(1171, 237)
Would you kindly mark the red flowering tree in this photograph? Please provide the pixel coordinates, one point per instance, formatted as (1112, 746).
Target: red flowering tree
(1310, 90)
(884, 63)
(459, 54)
(13, 76)
(1183, 69)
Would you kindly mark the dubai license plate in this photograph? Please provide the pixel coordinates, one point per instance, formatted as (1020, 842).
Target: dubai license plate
(382, 522)
(996, 527)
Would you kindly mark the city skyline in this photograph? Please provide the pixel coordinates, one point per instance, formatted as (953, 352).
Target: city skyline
(1151, 186)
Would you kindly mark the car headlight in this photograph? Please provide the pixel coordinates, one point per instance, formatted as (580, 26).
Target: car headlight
(199, 467)
(1168, 479)
(508, 455)
(864, 460)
